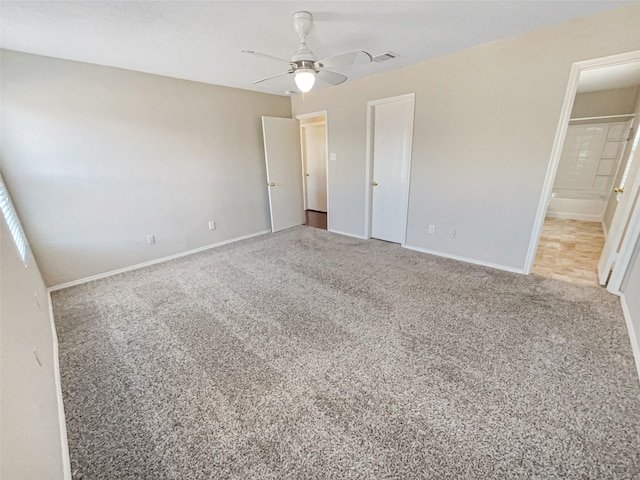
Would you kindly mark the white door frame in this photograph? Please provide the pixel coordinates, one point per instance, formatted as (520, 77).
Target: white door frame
(369, 163)
(303, 132)
(304, 116)
(612, 259)
(561, 132)
(631, 238)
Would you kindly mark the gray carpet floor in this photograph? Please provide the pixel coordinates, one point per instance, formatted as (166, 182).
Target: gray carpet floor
(310, 355)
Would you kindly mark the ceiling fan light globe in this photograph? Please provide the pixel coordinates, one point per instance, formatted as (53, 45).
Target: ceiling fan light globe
(305, 80)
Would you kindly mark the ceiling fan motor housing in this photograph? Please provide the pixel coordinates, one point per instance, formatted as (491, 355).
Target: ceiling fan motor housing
(302, 23)
(303, 58)
(304, 65)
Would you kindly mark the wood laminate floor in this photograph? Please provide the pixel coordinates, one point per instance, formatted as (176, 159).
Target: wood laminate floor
(569, 250)
(316, 219)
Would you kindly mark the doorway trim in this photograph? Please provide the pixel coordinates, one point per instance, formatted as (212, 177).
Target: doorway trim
(305, 116)
(304, 129)
(561, 132)
(371, 105)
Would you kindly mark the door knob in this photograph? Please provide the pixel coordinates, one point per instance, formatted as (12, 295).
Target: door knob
(618, 190)
(307, 174)
(271, 184)
(375, 184)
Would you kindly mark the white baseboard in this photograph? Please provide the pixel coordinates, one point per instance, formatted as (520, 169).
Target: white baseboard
(64, 444)
(604, 229)
(153, 262)
(635, 347)
(466, 259)
(347, 234)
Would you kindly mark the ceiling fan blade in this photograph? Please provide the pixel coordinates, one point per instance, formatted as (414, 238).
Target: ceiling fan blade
(272, 76)
(331, 77)
(264, 55)
(345, 59)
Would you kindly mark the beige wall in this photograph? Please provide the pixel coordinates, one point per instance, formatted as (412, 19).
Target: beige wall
(485, 123)
(98, 158)
(616, 101)
(30, 440)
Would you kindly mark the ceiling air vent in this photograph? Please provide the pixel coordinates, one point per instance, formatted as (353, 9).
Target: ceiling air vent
(383, 57)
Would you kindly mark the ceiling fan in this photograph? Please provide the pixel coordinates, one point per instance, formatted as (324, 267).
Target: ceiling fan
(304, 65)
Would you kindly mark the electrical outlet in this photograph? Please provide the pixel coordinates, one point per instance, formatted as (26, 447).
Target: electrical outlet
(151, 239)
(432, 229)
(212, 225)
(452, 234)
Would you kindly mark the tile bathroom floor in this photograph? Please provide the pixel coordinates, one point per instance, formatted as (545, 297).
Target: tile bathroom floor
(569, 250)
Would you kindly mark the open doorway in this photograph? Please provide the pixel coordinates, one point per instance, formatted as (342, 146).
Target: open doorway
(313, 139)
(593, 159)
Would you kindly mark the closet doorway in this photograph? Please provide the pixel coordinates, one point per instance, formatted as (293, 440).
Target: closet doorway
(389, 149)
(313, 139)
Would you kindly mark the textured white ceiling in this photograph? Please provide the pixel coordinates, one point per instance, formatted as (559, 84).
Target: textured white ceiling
(203, 40)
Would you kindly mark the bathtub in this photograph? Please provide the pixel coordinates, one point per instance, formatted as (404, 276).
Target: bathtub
(577, 205)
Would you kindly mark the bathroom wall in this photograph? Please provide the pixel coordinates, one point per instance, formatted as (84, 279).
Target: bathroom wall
(616, 101)
(592, 153)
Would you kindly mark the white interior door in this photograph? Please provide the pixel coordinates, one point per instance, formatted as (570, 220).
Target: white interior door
(626, 201)
(284, 171)
(315, 164)
(392, 142)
